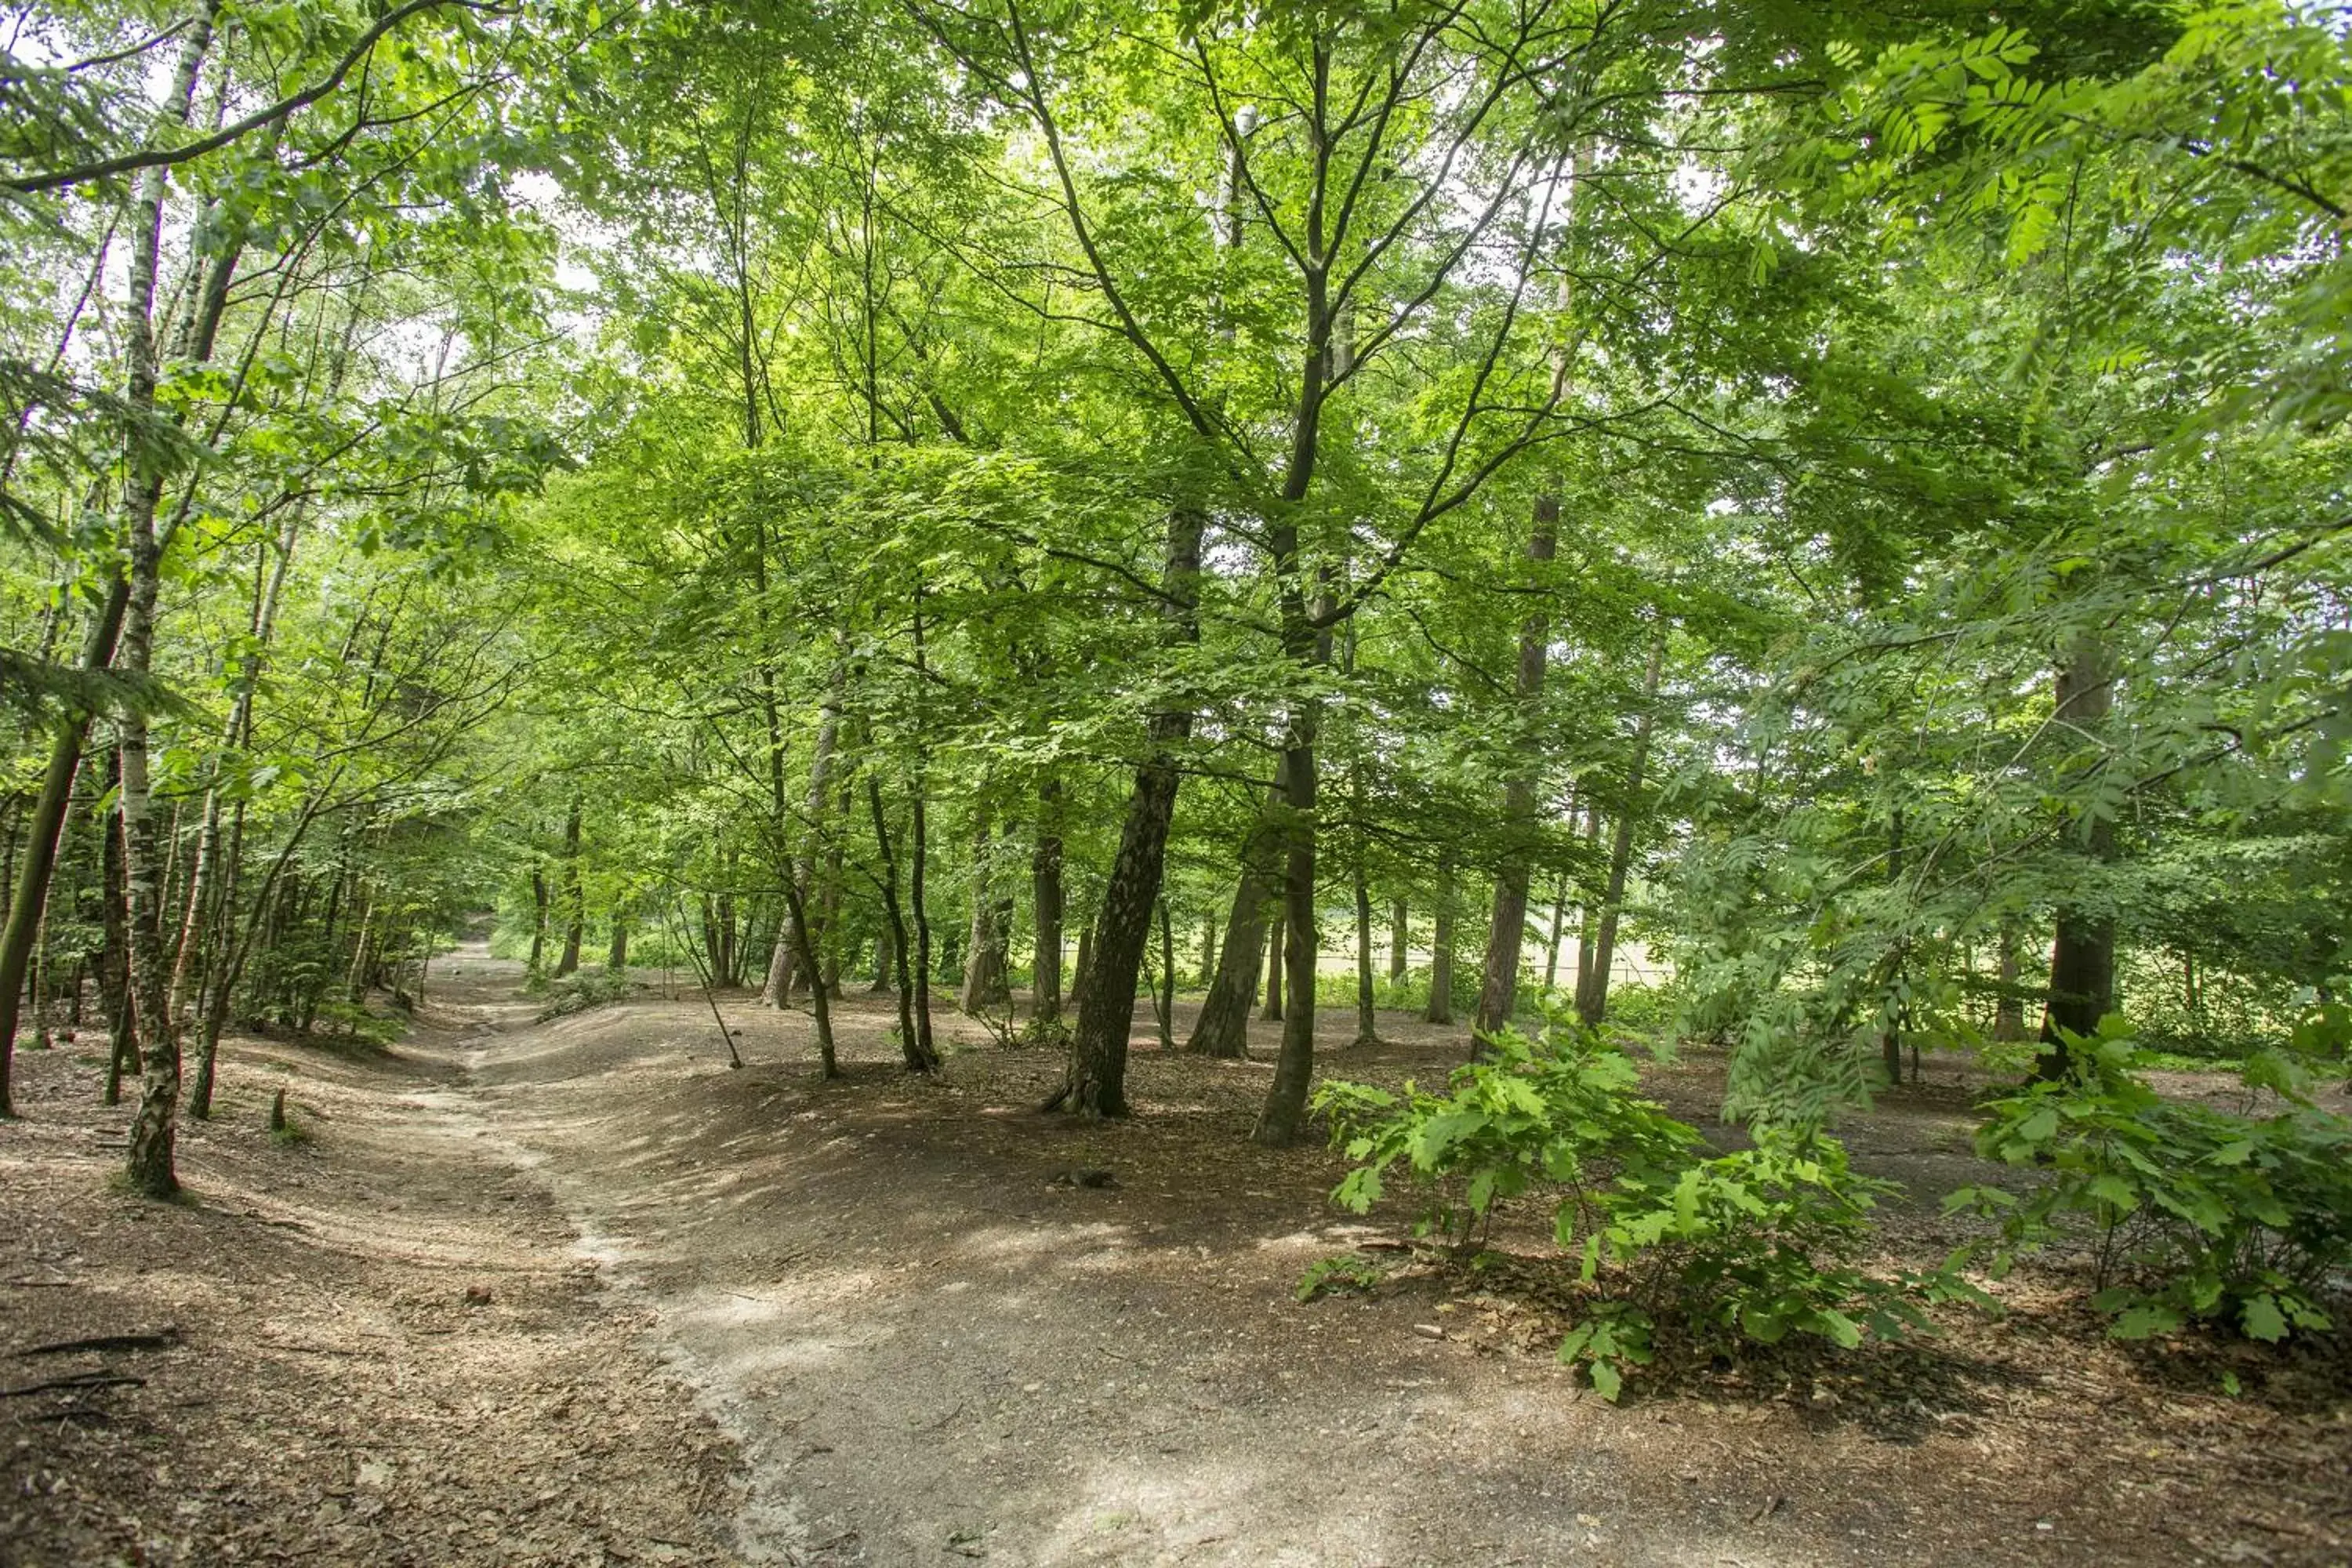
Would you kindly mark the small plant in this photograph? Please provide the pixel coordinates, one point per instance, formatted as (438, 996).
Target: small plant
(1671, 1237)
(1335, 1275)
(2194, 1213)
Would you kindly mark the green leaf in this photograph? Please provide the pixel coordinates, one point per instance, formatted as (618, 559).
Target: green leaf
(2145, 1321)
(1607, 1380)
(2262, 1321)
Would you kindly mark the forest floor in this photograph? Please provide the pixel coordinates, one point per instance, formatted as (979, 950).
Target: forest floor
(576, 1291)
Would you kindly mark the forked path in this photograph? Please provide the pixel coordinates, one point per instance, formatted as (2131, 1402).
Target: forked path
(930, 1351)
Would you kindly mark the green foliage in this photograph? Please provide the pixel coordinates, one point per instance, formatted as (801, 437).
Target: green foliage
(582, 990)
(1653, 1009)
(1672, 1239)
(2192, 1212)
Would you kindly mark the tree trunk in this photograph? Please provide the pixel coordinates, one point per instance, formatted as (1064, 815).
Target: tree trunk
(918, 856)
(2008, 1011)
(1293, 1067)
(1499, 988)
(1223, 1027)
(539, 919)
(1367, 1019)
(1096, 1082)
(912, 1043)
(1272, 1011)
(1167, 997)
(1400, 941)
(617, 958)
(2082, 955)
(1594, 1003)
(44, 829)
(1440, 945)
(114, 966)
(1587, 912)
(575, 902)
(985, 981)
(1045, 898)
(154, 1130)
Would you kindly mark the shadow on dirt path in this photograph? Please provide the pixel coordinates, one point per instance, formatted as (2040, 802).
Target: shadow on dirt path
(929, 1345)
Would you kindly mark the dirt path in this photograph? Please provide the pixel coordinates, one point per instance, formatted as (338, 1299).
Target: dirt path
(376, 1343)
(888, 1334)
(931, 1350)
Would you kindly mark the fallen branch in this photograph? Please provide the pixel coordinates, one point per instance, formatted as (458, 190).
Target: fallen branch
(161, 1339)
(80, 1380)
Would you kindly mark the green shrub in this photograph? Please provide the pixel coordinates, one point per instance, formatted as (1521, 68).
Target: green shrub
(583, 989)
(1671, 1237)
(2194, 1213)
(1651, 1009)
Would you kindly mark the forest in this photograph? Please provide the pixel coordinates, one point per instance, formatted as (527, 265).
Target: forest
(1440, 780)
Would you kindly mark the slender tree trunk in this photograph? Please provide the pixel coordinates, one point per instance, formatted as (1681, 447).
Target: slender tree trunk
(1293, 1067)
(1167, 994)
(1275, 967)
(985, 984)
(1399, 940)
(1440, 945)
(44, 829)
(1045, 896)
(1595, 1003)
(539, 919)
(1366, 1018)
(1223, 1027)
(917, 862)
(782, 978)
(1587, 912)
(912, 1043)
(1096, 1083)
(2082, 955)
(154, 1130)
(114, 964)
(576, 902)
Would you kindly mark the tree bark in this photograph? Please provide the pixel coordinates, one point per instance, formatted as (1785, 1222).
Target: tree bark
(1096, 1082)
(575, 902)
(2082, 955)
(1223, 1027)
(912, 1045)
(153, 1126)
(1272, 1011)
(2008, 1011)
(1399, 940)
(1367, 1018)
(114, 964)
(985, 981)
(1045, 898)
(45, 826)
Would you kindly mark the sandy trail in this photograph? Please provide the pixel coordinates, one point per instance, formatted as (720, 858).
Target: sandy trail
(929, 1353)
